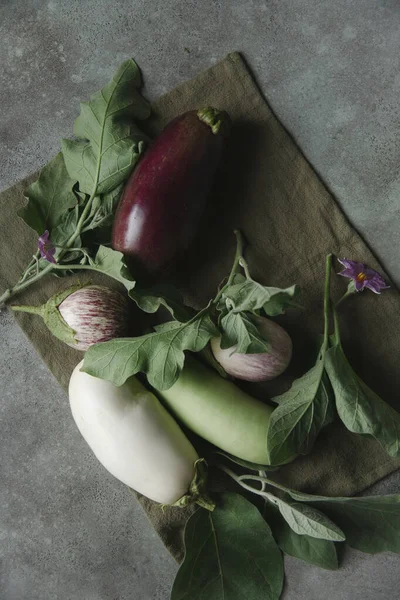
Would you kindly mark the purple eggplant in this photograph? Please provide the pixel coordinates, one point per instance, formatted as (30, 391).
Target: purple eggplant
(165, 197)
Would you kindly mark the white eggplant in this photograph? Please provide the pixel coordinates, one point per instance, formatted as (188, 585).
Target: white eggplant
(135, 438)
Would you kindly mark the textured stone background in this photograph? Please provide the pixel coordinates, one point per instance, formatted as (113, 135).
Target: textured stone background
(331, 72)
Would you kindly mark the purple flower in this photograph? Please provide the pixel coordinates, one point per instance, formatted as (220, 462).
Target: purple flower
(362, 276)
(46, 248)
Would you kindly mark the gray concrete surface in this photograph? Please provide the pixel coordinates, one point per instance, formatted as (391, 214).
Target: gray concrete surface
(331, 72)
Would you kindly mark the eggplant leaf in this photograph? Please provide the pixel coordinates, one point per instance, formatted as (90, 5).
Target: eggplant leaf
(371, 523)
(65, 227)
(239, 331)
(160, 354)
(361, 410)
(166, 295)
(112, 263)
(109, 142)
(301, 413)
(49, 197)
(305, 520)
(314, 551)
(231, 554)
(318, 552)
(109, 202)
(102, 211)
(248, 295)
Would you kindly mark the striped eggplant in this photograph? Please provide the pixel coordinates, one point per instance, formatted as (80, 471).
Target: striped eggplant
(84, 315)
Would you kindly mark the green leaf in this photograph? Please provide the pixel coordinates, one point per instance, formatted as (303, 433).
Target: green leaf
(151, 299)
(109, 202)
(49, 197)
(249, 295)
(160, 354)
(361, 410)
(230, 554)
(301, 413)
(62, 231)
(110, 143)
(305, 520)
(321, 553)
(64, 227)
(102, 211)
(371, 523)
(314, 551)
(112, 263)
(239, 330)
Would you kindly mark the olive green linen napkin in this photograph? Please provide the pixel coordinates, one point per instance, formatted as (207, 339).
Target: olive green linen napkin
(266, 188)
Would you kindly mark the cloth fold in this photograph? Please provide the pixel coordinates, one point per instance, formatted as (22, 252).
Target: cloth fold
(266, 188)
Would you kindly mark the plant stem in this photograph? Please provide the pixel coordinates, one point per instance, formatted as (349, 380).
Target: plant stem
(245, 267)
(98, 224)
(346, 295)
(34, 310)
(264, 480)
(24, 284)
(236, 263)
(263, 474)
(27, 272)
(249, 488)
(32, 264)
(73, 267)
(238, 255)
(260, 478)
(336, 334)
(80, 223)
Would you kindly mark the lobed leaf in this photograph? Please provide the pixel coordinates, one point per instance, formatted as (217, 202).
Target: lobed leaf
(249, 295)
(49, 197)
(160, 354)
(239, 331)
(150, 300)
(110, 142)
(112, 263)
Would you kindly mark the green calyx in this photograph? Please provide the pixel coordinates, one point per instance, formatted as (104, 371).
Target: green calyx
(218, 120)
(197, 490)
(52, 316)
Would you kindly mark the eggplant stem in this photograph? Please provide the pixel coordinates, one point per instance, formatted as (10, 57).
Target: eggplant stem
(34, 310)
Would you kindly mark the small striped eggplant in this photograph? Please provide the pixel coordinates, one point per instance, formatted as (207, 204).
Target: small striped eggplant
(257, 367)
(82, 316)
(97, 314)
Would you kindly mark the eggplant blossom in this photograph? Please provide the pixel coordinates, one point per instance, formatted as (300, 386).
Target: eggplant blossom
(46, 248)
(362, 276)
